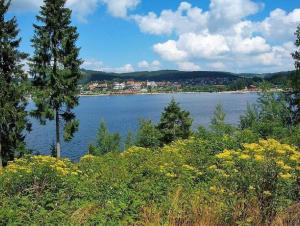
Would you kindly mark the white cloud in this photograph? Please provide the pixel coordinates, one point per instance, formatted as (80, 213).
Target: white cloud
(25, 5)
(149, 66)
(280, 25)
(217, 66)
(202, 45)
(250, 45)
(124, 69)
(185, 19)
(169, 51)
(92, 64)
(82, 9)
(223, 37)
(96, 65)
(188, 66)
(224, 13)
(119, 8)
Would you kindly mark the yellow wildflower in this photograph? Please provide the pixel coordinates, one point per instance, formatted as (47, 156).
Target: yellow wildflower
(259, 158)
(285, 176)
(267, 193)
(224, 155)
(244, 156)
(172, 175)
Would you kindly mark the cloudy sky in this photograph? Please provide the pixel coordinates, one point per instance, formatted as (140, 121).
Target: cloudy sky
(134, 35)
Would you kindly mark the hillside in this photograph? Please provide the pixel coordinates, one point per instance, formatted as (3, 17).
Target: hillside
(174, 76)
(166, 75)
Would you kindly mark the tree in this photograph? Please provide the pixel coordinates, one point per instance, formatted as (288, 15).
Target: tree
(105, 142)
(295, 85)
(55, 67)
(13, 88)
(129, 142)
(174, 123)
(148, 136)
(218, 124)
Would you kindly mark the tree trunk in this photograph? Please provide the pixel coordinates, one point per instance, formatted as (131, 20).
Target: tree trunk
(1, 159)
(58, 149)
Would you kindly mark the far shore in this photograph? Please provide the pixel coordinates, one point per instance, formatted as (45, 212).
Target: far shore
(164, 93)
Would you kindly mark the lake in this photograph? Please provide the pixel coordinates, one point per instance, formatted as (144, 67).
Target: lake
(122, 114)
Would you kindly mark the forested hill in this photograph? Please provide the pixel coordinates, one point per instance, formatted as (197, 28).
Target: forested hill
(172, 75)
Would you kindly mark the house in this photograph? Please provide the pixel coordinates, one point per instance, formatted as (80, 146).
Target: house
(151, 84)
(133, 85)
(118, 86)
(92, 86)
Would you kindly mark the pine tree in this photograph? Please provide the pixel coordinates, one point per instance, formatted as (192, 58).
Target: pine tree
(218, 124)
(174, 123)
(55, 67)
(13, 88)
(105, 142)
(148, 136)
(295, 95)
(129, 142)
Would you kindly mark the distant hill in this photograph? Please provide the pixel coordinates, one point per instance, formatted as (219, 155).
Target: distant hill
(174, 76)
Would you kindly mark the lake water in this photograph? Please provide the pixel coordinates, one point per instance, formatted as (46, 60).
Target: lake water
(122, 114)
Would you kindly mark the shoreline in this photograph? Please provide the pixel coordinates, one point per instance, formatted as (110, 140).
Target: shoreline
(164, 93)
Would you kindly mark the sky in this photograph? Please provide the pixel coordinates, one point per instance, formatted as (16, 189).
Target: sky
(145, 35)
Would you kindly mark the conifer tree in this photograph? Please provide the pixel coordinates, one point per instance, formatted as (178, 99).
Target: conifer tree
(295, 96)
(55, 67)
(105, 141)
(148, 136)
(129, 141)
(13, 88)
(174, 123)
(218, 124)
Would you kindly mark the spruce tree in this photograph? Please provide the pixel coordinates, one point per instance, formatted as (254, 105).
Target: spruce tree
(174, 123)
(55, 67)
(13, 88)
(148, 136)
(295, 95)
(105, 141)
(218, 124)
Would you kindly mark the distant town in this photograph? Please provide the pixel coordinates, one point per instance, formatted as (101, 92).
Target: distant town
(139, 87)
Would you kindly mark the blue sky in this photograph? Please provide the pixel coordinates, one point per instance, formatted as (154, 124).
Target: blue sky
(134, 35)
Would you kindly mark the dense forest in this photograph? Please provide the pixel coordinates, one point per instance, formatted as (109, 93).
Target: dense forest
(168, 174)
(177, 76)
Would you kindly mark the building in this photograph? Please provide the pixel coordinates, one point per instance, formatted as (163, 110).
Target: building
(151, 84)
(119, 86)
(92, 86)
(133, 85)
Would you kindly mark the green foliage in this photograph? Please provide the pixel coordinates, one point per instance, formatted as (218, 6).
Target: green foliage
(129, 142)
(295, 83)
(148, 136)
(270, 117)
(55, 67)
(218, 124)
(174, 123)
(105, 141)
(13, 83)
(182, 182)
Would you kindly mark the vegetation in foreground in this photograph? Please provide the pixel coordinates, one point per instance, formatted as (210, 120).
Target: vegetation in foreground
(184, 183)
(167, 175)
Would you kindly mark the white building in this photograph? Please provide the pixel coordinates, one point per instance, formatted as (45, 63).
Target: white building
(118, 86)
(151, 84)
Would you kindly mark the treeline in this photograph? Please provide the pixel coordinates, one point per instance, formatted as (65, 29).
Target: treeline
(183, 77)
